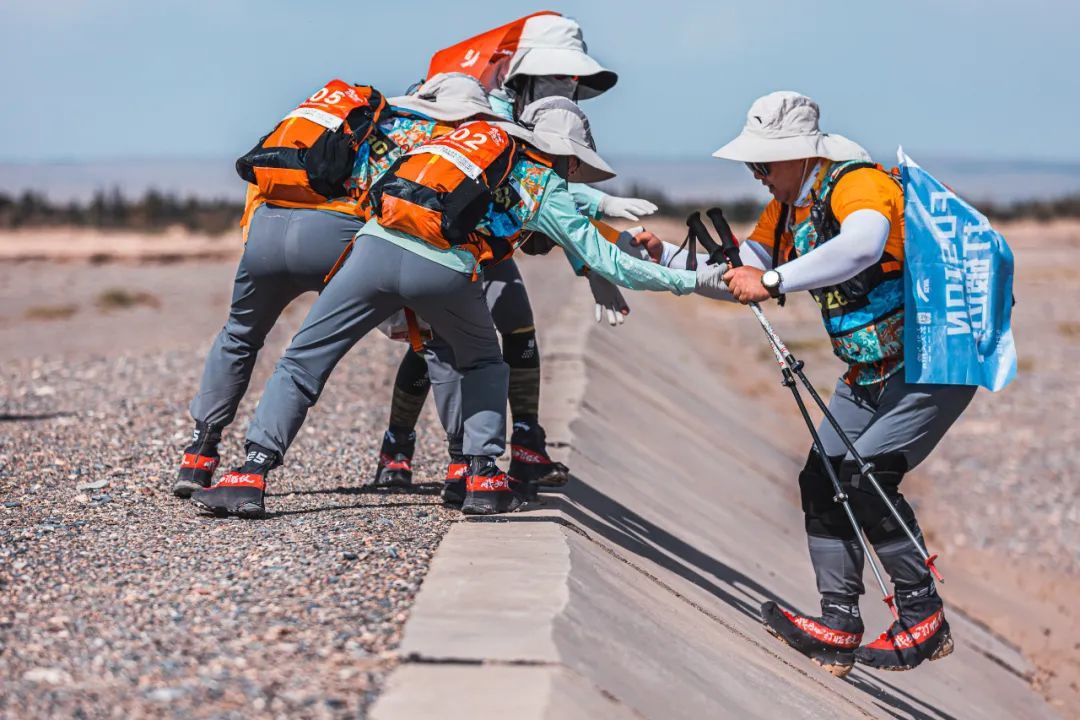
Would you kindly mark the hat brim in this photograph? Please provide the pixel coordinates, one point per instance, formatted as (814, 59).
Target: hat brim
(591, 168)
(593, 78)
(447, 111)
(749, 147)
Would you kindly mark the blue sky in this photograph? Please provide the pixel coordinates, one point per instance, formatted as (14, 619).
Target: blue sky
(99, 79)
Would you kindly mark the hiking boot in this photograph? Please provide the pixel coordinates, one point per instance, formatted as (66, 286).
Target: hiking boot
(829, 640)
(922, 633)
(453, 489)
(239, 492)
(489, 491)
(199, 462)
(529, 461)
(395, 459)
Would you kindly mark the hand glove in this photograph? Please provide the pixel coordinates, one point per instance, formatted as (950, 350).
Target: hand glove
(608, 298)
(625, 243)
(709, 282)
(628, 208)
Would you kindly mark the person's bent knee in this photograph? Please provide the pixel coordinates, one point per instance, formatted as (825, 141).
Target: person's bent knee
(824, 516)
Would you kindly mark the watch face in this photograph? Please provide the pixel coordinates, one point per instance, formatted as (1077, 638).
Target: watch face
(770, 279)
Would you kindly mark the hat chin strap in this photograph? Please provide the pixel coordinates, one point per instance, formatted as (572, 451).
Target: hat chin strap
(806, 183)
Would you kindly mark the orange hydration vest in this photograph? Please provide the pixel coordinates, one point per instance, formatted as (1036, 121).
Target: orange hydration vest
(485, 56)
(440, 191)
(306, 159)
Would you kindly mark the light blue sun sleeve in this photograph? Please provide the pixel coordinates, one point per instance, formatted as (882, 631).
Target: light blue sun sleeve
(558, 218)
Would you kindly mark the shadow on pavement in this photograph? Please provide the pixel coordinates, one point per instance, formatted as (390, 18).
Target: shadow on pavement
(598, 513)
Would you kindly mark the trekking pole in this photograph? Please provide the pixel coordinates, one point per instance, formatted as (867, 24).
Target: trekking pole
(866, 469)
(716, 255)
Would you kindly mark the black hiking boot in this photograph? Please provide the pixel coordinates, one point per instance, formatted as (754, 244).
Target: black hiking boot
(199, 462)
(240, 492)
(829, 640)
(395, 459)
(529, 460)
(453, 489)
(922, 633)
(490, 491)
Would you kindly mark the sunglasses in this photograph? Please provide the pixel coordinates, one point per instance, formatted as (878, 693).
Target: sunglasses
(760, 168)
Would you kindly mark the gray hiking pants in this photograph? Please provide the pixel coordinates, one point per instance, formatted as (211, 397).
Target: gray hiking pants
(288, 253)
(378, 279)
(505, 294)
(894, 425)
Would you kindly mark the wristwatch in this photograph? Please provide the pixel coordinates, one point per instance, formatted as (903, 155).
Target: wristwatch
(771, 280)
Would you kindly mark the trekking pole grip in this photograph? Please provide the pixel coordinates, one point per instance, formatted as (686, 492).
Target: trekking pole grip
(727, 238)
(698, 231)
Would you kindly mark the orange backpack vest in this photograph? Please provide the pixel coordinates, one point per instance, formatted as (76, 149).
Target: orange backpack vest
(306, 159)
(485, 56)
(440, 191)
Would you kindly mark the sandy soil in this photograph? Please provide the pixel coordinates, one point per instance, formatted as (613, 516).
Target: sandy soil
(1000, 499)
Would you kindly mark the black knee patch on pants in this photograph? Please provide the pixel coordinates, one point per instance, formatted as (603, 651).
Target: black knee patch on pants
(824, 516)
(520, 350)
(873, 514)
(523, 357)
(410, 390)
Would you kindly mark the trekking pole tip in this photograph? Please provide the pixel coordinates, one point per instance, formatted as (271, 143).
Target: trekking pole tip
(889, 600)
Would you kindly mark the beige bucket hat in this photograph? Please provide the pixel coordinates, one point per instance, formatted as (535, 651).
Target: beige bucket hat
(554, 45)
(449, 97)
(557, 126)
(784, 126)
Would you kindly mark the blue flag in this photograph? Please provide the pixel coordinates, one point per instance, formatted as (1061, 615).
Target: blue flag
(957, 288)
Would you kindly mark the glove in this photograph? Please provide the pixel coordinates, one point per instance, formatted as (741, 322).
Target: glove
(709, 283)
(628, 208)
(608, 298)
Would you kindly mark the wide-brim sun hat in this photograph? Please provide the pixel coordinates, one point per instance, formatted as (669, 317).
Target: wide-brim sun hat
(557, 126)
(449, 97)
(784, 126)
(554, 45)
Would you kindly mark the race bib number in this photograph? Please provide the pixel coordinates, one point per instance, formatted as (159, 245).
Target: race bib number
(330, 105)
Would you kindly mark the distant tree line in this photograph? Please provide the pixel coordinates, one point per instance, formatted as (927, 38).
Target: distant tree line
(110, 210)
(156, 211)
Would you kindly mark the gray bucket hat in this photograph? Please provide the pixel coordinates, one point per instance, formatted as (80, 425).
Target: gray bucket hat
(784, 126)
(449, 97)
(557, 126)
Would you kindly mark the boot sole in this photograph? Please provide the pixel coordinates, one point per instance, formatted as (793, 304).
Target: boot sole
(184, 488)
(943, 650)
(388, 480)
(481, 505)
(823, 660)
(247, 511)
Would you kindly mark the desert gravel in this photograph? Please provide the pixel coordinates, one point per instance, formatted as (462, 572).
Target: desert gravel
(118, 600)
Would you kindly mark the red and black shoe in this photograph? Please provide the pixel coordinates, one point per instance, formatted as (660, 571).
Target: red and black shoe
(829, 640)
(453, 489)
(239, 492)
(490, 491)
(395, 459)
(922, 633)
(199, 462)
(529, 460)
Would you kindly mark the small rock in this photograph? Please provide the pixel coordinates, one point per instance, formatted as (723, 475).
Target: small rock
(349, 555)
(392, 551)
(102, 498)
(385, 521)
(12, 504)
(95, 485)
(48, 676)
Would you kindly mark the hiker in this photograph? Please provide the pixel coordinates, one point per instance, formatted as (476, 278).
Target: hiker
(835, 227)
(427, 250)
(290, 247)
(549, 60)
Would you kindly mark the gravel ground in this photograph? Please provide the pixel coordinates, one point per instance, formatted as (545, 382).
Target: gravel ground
(118, 600)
